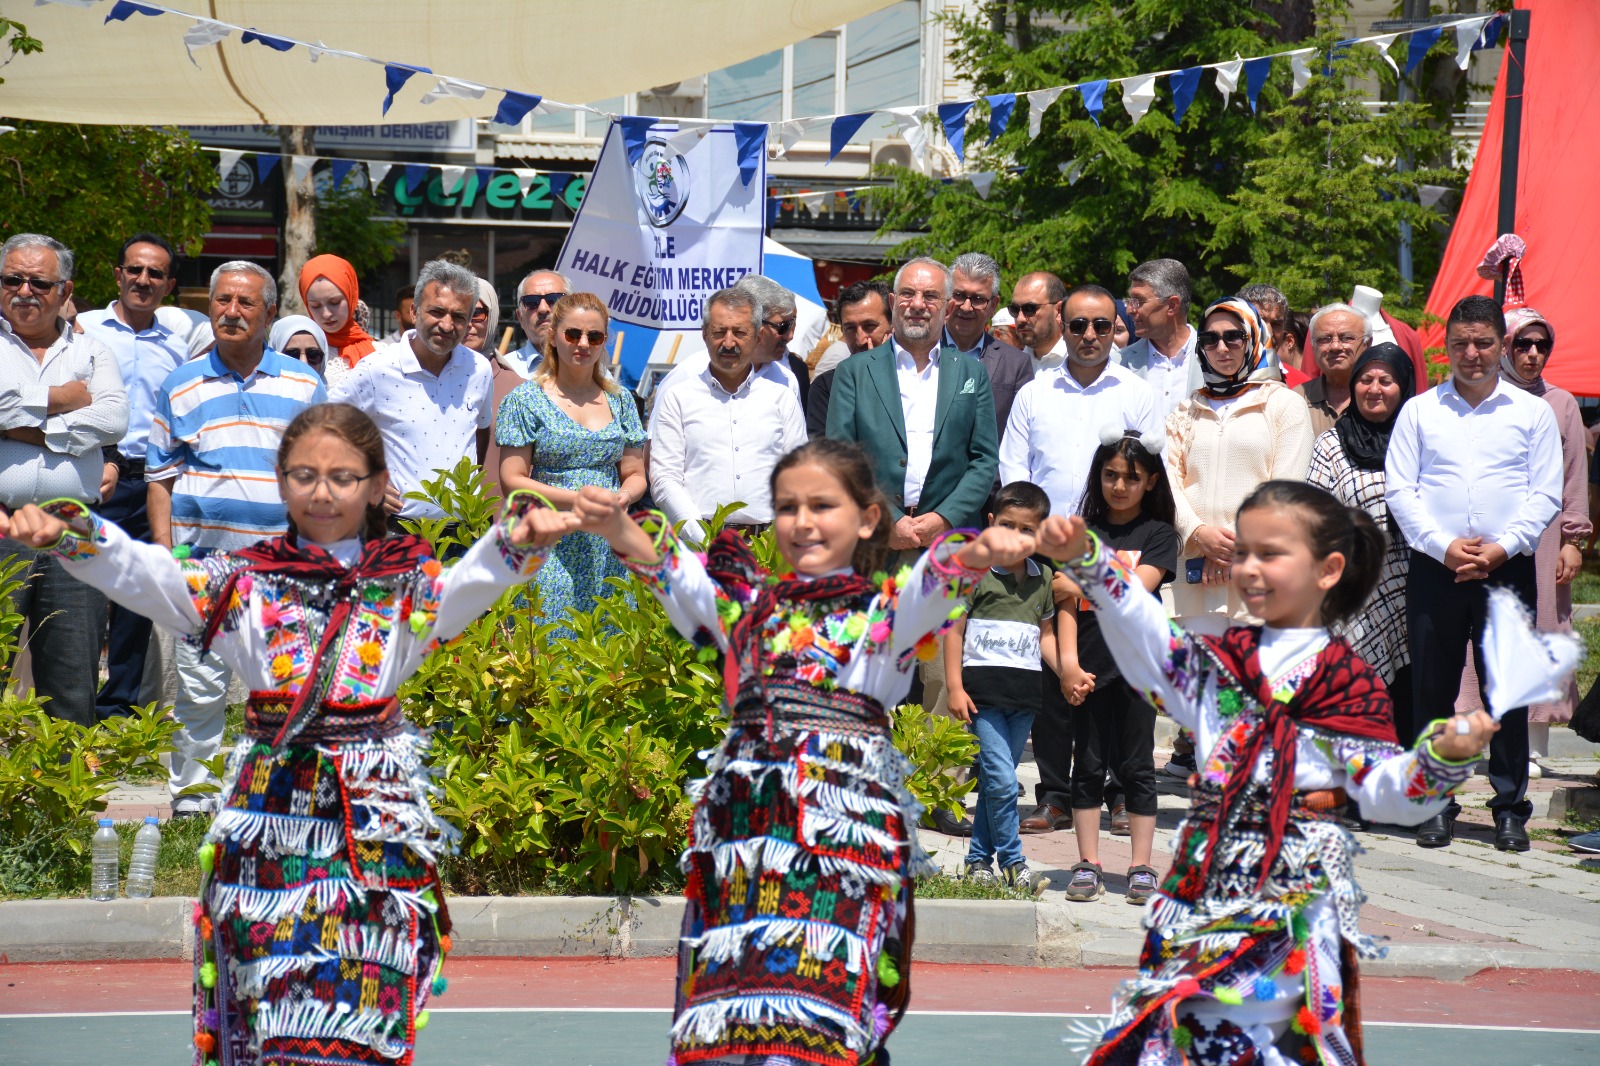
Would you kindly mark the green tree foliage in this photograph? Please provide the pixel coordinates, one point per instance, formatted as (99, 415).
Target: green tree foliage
(348, 226)
(91, 187)
(1089, 201)
(1325, 201)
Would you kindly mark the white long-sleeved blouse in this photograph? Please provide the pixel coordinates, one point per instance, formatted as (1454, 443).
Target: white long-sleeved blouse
(274, 622)
(1172, 670)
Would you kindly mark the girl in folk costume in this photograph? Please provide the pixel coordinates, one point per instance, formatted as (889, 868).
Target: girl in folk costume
(321, 925)
(802, 848)
(1250, 955)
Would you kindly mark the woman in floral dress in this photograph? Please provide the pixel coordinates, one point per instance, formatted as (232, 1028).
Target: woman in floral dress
(567, 427)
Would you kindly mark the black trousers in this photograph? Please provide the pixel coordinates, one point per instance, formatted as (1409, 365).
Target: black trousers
(1442, 616)
(1114, 730)
(129, 633)
(1052, 744)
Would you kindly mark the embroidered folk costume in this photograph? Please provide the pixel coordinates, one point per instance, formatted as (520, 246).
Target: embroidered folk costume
(321, 924)
(802, 849)
(1252, 939)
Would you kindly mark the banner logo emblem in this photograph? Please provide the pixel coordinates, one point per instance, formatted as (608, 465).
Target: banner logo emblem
(661, 178)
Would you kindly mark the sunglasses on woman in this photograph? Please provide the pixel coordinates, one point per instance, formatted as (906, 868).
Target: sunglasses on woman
(595, 337)
(1524, 345)
(1210, 338)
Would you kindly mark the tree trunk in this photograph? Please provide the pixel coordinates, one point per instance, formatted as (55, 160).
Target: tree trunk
(300, 219)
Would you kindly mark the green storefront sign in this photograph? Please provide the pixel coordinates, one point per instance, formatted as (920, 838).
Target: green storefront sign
(550, 197)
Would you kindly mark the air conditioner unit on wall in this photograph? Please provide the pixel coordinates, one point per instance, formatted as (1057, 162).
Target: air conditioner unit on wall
(892, 152)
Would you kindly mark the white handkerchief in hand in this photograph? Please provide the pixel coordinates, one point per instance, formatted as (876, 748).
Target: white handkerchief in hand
(1524, 666)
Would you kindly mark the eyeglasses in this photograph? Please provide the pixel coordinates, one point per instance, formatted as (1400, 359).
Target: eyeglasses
(910, 296)
(976, 299)
(1079, 326)
(480, 313)
(596, 337)
(532, 301)
(1524, 345)
(151, 272)
(1028, 310)
(1342, 338)
(342, 484)
(17, 281)
(307, 355)
(782, 328)
(1233, 338)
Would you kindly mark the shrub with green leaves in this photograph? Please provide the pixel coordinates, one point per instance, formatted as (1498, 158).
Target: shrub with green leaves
(564, 761)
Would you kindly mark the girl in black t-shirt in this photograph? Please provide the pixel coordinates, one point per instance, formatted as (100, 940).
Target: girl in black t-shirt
(1128, 502)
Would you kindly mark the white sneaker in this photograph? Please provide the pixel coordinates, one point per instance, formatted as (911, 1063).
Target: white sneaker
(1535, 771)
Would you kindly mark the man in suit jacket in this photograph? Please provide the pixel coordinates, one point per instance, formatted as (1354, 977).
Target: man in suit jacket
(974, 297)
(923, 413)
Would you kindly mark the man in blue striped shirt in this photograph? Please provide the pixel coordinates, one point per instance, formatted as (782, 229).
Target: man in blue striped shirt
(211, 468)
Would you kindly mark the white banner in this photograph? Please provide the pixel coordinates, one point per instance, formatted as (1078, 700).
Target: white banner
(655, 238)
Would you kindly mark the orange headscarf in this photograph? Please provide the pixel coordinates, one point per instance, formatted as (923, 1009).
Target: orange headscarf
(352, 341)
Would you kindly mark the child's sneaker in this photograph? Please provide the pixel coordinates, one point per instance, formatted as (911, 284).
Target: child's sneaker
(979, 872)
(1142, 882)
(1086, 883)
(1019, 877)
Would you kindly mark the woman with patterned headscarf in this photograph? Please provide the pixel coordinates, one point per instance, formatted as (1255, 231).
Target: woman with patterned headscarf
(1240, 428)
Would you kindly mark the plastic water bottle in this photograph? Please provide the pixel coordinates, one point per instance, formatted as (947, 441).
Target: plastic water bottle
(142, 867)
(106, 853)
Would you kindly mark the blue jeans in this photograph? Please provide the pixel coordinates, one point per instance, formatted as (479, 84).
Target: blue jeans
(1001, 733)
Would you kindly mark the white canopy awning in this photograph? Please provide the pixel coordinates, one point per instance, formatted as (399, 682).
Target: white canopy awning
(137, 70)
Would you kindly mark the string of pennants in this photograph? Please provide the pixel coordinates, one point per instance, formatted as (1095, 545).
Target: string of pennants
(1471, 34)
(412, 175)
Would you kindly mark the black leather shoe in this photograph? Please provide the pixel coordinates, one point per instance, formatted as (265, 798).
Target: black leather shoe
(1509, 832)
(1436, 832)
(951, 824)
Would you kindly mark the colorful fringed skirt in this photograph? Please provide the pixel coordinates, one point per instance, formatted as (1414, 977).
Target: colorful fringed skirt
(1232, 976)
(802, 852)
(321, 925)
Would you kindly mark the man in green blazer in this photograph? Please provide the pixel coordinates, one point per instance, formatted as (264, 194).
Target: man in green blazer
(924, 414)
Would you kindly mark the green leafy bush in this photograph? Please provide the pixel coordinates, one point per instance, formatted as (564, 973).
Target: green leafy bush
(564, 760)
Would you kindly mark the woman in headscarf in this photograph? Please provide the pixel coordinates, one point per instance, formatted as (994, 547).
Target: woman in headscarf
(1530, 339)
(1240, 428)
(1347, 460)
(301, 338)
(329, 290)
(485, 319)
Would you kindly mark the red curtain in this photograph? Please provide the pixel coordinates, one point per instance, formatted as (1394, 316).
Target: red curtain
(1558, 210)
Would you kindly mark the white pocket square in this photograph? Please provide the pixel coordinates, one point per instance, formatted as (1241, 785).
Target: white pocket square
(968, 388)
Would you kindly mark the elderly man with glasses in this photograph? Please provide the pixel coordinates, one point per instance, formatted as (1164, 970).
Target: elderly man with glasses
(973, 297)
(1338, 334)
(61, 403)
(1164, 355)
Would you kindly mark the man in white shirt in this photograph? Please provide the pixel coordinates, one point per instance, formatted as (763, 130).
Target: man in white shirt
(1473, 476)
(147, 351)
(718, 435)
(431, 396)
(61, 403)
(536, 305)
(1164, 355)
(1057, 418)
(1036, 309)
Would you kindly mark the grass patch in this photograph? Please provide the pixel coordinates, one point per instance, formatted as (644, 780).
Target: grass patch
(944, 886)
(1590, 632)
(40, 869)
(1586, 586)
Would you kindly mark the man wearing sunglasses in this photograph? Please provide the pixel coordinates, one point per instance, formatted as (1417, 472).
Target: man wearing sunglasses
(973, 298)
(61, 404)
(536, 304)
(1036, 309)
(147, 351)
(1164, 355)
(779, 316)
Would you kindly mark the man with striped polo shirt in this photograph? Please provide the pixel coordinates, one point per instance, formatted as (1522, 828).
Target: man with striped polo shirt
(211, 468)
